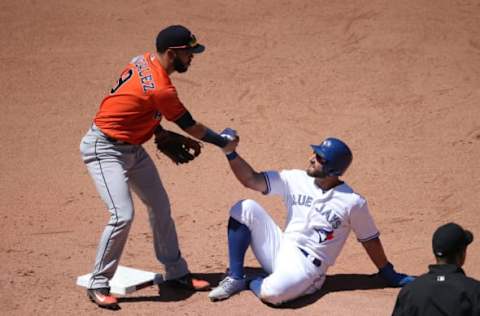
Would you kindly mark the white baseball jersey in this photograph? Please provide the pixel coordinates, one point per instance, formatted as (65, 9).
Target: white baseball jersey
(319, 222)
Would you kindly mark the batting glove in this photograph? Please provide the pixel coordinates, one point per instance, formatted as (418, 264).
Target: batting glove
(394, 278)
(229, 133)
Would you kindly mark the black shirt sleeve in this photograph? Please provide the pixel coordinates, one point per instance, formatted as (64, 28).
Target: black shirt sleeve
(185, 121)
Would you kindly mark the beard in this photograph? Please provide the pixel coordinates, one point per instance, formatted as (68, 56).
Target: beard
(179, 66)
(316, 173)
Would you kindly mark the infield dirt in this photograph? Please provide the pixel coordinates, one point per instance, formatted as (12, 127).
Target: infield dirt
(399, 81)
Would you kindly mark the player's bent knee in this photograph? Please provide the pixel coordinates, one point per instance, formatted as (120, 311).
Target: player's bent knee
(236, 211)
(276, 293)
(272, 297)
(244, 210)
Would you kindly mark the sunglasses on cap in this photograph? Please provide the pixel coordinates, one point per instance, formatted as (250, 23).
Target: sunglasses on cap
(191, 44)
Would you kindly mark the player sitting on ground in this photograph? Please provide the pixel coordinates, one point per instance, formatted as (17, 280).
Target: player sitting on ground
(322, 210)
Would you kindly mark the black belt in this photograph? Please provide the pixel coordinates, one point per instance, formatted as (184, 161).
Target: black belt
(315, 261)
(110, 139)
(115, 141)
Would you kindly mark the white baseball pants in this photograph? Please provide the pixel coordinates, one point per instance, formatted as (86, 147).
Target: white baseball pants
(291, 273)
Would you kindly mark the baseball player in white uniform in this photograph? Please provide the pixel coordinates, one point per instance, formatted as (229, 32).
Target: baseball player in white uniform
(322, 210)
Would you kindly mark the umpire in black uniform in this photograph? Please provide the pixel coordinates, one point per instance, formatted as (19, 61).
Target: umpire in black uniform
(445, 289)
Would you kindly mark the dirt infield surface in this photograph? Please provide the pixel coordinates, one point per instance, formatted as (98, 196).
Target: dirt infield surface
(399, 81)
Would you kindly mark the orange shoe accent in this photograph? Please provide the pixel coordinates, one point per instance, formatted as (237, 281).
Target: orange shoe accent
(188, 282)
(102, 298)
(200, 285)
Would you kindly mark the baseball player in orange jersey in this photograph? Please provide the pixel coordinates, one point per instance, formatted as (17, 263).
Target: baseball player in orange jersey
(112, 151)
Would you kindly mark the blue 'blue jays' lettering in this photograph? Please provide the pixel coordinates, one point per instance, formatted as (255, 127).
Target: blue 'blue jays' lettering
(301, 199)
(331, 217)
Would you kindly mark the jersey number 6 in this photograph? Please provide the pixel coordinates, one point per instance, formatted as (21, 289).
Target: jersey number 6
(123, 78)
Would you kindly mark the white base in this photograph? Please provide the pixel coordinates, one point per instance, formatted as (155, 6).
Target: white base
(126, 280)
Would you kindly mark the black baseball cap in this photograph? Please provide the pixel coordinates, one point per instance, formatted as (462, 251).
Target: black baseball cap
(449, 239)
(178, 36)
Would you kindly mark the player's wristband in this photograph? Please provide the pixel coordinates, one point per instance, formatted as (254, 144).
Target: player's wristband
(232, 155)
(214, 138)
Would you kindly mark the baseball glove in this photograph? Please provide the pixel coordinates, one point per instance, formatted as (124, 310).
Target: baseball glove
(180, 149)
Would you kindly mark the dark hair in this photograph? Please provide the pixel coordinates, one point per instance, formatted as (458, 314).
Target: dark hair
(452, 258)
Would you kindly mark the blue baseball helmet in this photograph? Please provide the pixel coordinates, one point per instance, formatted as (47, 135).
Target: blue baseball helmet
(336, 154)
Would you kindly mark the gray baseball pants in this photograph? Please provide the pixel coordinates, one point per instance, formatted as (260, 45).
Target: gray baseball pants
(117, 168)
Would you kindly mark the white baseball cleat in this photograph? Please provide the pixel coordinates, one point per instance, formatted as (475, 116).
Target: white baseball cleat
(226, 288)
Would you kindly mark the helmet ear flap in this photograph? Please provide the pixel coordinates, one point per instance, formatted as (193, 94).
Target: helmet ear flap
(329, 171)
(327, 168)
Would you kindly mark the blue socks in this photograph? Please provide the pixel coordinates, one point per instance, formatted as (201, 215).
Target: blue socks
(238, 242)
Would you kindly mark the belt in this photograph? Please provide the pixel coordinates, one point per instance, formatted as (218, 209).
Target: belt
(315, 261)
(115, 141)
(110, 139)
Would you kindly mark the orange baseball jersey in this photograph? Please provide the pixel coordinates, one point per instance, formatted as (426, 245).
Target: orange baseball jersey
(136, 105)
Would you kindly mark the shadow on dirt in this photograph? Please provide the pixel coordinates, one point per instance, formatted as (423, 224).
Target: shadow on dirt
(338, 283)
(333, 283)
(171, 294)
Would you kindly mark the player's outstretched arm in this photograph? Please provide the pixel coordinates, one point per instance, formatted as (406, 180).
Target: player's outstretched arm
(245, 174)
(197, 130)
(386, 270)
(374, 249)
(228, 141)
(242, 170)
(202, 132)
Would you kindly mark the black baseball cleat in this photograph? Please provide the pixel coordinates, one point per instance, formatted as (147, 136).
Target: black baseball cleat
(102, 298)
(189, 282)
